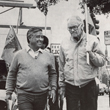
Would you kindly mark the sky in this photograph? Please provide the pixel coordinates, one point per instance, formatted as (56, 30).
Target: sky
(56, 19)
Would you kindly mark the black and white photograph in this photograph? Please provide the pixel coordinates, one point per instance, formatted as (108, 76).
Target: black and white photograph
(54, 54)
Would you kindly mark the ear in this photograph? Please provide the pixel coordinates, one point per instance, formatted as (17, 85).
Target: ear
(82, 27)
(29, 38)
(67, 28)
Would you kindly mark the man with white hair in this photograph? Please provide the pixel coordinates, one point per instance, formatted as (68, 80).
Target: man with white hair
(76, 77)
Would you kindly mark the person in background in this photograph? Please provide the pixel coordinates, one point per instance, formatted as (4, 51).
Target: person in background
(76, 76)
(52, 106)
(48, 49)
(45, 42)
(32, 73)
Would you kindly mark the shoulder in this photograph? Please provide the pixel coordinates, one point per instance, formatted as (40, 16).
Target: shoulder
(47, 53)
(20, 52)
(65, 42)
(94, 38)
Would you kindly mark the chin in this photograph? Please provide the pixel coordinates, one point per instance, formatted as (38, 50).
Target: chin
(40, 46)
(74, 36)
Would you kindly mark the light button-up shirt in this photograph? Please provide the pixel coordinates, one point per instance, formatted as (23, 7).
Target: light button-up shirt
(34, 54)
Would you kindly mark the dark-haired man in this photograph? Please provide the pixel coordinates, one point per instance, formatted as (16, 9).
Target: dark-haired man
(30, 72)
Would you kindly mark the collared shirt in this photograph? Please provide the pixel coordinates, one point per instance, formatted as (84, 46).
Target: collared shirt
(34, 54)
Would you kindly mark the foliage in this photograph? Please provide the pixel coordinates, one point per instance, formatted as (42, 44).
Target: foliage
(97, 6)
(43, 5)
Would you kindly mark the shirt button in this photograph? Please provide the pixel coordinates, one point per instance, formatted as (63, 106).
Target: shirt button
(35, 57)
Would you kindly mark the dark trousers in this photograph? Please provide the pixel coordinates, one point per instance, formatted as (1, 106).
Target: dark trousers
(84, 98)
(32, 102)
(54, 106)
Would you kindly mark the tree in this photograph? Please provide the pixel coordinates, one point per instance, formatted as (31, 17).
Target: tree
(97, 6)
(43, 5)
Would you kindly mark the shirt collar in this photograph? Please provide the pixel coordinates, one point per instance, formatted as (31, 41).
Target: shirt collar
(30, 49)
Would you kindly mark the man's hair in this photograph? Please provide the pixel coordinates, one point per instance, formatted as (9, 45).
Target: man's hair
(31, 31)
(46, 41)
(49, 49)
(74, 18)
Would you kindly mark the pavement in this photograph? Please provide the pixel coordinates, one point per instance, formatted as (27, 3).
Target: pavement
(103, 103)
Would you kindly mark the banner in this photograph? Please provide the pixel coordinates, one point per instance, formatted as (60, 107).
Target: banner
(55, 48)
(107, 37)
(11, 46)
(91, 26)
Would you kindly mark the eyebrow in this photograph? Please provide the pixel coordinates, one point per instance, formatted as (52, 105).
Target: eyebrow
(74, 26)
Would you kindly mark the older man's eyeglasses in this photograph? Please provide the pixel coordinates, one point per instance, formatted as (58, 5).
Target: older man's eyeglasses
(74, 27)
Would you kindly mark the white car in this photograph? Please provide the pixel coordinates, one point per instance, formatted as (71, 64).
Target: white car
(103, 89)
(102, 86)
(3, 103)
(107, 90)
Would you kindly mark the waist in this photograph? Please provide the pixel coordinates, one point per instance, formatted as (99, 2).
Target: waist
(79, 83)
(80, 86)
(21, 91)
(79, 77)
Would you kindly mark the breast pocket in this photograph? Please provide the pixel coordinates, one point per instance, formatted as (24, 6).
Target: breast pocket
(82, 53)
(69, 64)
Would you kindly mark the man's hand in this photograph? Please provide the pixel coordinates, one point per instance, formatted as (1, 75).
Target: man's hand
(8, 97)
(53, 95)
(62, 93)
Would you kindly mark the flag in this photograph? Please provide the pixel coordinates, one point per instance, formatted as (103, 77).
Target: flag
(92, 29)
(11, 46)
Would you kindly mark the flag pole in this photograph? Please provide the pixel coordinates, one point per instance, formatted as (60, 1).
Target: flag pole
(19, 20)
(45, 23)
(87, 27)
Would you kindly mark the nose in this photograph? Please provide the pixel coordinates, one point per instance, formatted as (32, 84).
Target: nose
(41, 38)
(72, 29)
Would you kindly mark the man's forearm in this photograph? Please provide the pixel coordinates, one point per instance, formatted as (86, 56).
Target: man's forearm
(10, 86)
(96, 59)
(11, 82)
(53, 81)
